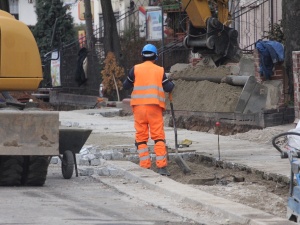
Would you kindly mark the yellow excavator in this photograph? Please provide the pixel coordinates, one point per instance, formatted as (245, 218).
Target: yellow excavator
(209, 33)
(28, 138)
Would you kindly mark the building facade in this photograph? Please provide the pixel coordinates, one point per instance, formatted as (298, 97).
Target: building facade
(252, 19)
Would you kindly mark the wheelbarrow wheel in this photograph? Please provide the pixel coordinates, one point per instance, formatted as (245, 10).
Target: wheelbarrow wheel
(67, 164)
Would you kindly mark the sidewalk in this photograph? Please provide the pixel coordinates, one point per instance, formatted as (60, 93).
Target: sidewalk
(259, 157)
(262, 157)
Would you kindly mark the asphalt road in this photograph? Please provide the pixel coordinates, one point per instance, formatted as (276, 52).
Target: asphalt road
(115, 200)
(80, 200)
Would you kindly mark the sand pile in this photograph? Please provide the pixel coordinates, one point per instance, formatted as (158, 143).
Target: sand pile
(204, 96)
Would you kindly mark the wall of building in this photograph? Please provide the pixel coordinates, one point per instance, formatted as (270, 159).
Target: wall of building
(75, 13)
(27, 12)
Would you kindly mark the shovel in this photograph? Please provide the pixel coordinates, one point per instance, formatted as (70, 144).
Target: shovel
(178, 159)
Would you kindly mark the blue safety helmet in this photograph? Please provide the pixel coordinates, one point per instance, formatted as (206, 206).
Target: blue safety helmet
(149, 50)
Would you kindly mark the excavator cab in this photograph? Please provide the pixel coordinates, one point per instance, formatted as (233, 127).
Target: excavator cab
(209, 33)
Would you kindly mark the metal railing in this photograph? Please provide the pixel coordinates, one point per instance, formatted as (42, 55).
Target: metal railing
(254, 20)
(251, 20)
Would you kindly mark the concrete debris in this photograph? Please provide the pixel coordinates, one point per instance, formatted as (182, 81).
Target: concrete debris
(90, 160)
(86, 171)
(55, 160)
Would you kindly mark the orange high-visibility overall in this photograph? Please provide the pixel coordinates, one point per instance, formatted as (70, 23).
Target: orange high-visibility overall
(148, 104)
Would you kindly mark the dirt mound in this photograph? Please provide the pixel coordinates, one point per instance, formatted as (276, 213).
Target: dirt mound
(201, 71)
(205, 96)
(24, 96)
(202, 94)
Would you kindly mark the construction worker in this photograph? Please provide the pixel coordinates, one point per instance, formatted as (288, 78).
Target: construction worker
(149, 82)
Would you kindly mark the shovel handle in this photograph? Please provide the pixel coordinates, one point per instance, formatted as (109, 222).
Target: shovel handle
(174, 121)
(170, 96)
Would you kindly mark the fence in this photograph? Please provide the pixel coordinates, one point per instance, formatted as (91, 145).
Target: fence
(253, 21)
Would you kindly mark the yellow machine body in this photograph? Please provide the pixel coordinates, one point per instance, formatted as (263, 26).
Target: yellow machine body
(20, 62)
(199, 11)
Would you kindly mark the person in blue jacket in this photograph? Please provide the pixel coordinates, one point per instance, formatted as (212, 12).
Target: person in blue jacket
(270, 53)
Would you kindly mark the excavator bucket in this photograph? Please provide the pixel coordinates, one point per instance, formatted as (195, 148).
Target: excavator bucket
(217, 41)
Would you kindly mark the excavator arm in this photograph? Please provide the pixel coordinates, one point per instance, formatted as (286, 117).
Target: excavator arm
(209, 33)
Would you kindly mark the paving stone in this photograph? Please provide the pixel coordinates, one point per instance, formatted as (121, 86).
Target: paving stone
(102, 162)
(115, 172)
(103, 171)
(84, 162)
(78, 157)
(132, 150)
(95, 162)
(117, 155)
(98, 155)
(86, 171)
(132, 157)
(107, 155)
(55, 160)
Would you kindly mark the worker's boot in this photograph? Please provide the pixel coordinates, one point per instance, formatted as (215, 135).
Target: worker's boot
(163, 171)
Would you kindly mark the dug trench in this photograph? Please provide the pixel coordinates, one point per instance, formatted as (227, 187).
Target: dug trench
(234, 182)
(203, 124)
(238, 183)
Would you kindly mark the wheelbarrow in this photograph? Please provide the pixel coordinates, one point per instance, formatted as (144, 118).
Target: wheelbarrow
(288, 144)
(71, 141)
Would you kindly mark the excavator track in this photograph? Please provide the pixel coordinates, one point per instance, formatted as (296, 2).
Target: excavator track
(11, 169)
(35, 170)
(23, 170)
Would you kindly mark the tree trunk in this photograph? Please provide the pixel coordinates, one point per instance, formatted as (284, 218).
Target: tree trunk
(89, 24)
(111, 39)
(291, 28)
